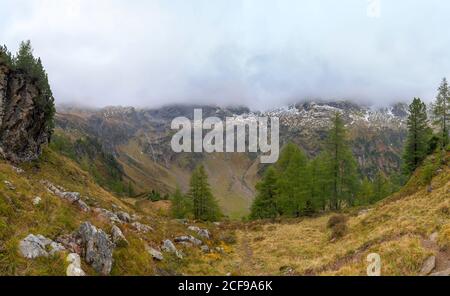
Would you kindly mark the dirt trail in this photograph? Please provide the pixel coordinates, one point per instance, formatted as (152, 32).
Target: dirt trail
(442, 257)
(246, 254)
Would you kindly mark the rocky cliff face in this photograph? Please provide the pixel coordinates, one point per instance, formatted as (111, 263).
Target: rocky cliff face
(23, 128)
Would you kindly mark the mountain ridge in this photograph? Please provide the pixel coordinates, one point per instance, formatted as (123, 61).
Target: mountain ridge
(140, 140)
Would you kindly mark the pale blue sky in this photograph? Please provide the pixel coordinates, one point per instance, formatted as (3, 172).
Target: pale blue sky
(254, 52)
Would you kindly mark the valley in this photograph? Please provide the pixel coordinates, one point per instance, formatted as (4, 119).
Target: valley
(140, 140)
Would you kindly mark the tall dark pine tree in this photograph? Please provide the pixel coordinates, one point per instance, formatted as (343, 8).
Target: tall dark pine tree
(417, 140)
(265, 204)
(24, 59)
(5, 56)
(341, 165)
(205, 206)
(441, 113)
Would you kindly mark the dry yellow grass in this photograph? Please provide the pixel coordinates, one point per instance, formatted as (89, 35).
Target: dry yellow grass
(54, 217)
(394, 228)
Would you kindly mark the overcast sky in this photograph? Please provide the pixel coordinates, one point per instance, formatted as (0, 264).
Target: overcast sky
(254, 52)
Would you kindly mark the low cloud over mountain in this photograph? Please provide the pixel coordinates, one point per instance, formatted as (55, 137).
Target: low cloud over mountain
(258, 53)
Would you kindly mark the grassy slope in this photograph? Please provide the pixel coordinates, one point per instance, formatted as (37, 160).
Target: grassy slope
(232, 177)
(397, 228)
(55, 217)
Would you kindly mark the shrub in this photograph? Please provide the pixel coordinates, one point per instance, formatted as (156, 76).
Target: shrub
(335, 220)
(338, 231)
(338, 226)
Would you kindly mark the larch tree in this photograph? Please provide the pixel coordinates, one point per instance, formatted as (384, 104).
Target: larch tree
(265, 204)
(205, 206)
(341, 165)
(292, 181)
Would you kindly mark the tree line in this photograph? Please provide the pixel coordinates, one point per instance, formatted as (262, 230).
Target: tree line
(296, 186)
(426, 135)
(199, 202)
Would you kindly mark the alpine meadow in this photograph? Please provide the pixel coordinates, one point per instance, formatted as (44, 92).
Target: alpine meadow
(224, 138)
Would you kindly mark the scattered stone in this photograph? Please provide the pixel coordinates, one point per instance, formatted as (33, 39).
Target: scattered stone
(141, 227)
(97, 248)
(169, 247)
(108, 215)
(70, 242)
(442, 273)
(56, 248)
(72, 197)
(9, 185)
(83, 206)
(36, 201)
(157, 255)
(287, 270)
(117, 237)
(188, 239)
(434, 237)
(34, 246)
(428, 265)
(124, 217)
(204, 233)
(17, 170)
(182, 221)
(74, 268)
(220, 250)
(194, 228)
(186, 244)
(364, 212)
(135, 217)
(205, 249)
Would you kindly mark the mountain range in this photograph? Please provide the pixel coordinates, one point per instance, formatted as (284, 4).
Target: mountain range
(139, 141)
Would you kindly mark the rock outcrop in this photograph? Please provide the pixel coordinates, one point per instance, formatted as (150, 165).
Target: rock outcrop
(169, 247)
(118, 238)
(34, 246)
(23, 120)
(97, 248)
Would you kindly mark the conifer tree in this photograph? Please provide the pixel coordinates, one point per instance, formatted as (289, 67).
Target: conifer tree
(365, 194)
(341, 165)
(265, 204)
(441, 113)
(205, 206)
(417, 140)
(318, 181)
(25, 60)
(5, 56)
(292, 181)
(181, 205)
(382, 187)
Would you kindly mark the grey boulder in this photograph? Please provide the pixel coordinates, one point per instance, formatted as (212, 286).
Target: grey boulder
(34, 246)
(97, 248)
